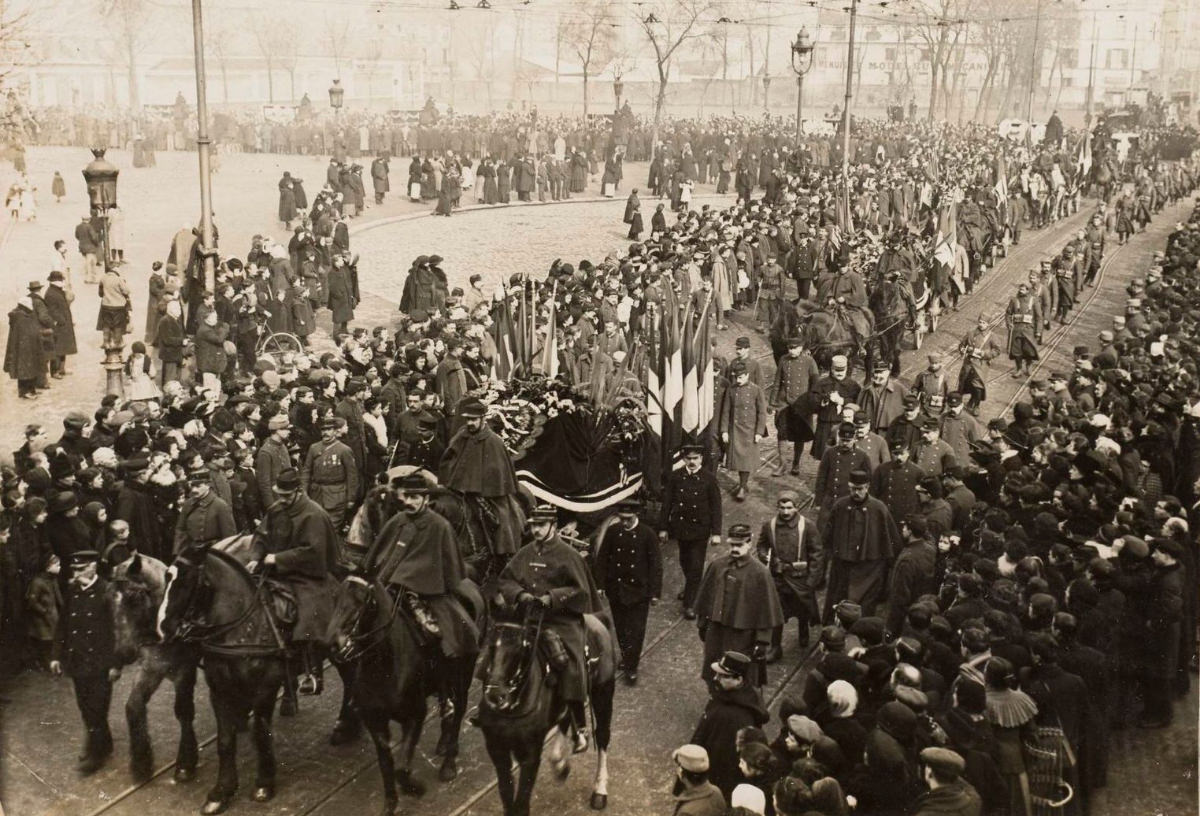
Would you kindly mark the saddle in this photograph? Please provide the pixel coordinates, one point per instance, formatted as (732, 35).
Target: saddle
(281, 603)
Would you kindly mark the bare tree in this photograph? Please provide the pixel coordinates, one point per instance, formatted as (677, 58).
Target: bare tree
(286, 38)
(941, 24)
(127, 21)
(668, 24)
(589, 31)
(337, 39)
(220, 40)
(16, 50)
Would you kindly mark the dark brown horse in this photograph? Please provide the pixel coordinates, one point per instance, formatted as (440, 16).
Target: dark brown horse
(213, 602)
(137, 589)
(393, 674)
(520, 706)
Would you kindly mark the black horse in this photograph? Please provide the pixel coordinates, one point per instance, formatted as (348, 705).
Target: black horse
(894, 313)
(211, 600)
(520, 706)
(137, 588)
(393, 676)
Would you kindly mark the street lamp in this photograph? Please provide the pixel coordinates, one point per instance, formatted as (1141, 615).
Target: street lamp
(766, 92)
(618, 86)
(100, 176)
(336, 95)
(802, 56)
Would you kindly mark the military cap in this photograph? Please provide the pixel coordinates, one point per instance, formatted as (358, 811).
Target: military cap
(739, 532)
(794, 342)
(543, 513)
(691, 450)
(931, 424)
(911, 400)
(839, 362)
(732, 664)
(629, 505)
(846, 430)
(81, 558)
(833, 637)
(472, 408)
(859, 477)
(287, 480)
(847, 612)
(742, 342)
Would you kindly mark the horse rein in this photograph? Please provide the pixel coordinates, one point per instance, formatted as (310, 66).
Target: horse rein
(190, 629)
(517, 681)
(359, 644)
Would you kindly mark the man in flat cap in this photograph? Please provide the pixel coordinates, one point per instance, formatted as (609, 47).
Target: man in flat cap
(694, 794)
(791, 549)
(861, 537)
(949, 794)
(737, 606)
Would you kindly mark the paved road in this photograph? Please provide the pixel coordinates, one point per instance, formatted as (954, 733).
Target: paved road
(1151, 772)
(158, 201)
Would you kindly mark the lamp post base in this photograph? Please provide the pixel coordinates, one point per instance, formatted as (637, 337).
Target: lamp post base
(114, 370)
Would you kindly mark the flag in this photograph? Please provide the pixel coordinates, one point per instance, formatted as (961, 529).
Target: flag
(550, 346)
(689, 408)
(947, 234)
(1001, 187)
(706, 377)
(1085, 154)
(654, 411)
(672, 382)
(503, 333)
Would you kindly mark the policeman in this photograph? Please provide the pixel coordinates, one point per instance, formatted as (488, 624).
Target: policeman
(833, 474)
(692, 513)
(628, 570)
(330, 473)
(85, 650)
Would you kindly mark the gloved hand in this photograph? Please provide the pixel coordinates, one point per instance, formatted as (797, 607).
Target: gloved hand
(525, 598)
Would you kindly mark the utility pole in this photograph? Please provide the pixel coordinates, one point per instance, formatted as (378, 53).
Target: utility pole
(1033, 70)
(203, 144)
(1133, 58)
(846, 107)
(1091, 74)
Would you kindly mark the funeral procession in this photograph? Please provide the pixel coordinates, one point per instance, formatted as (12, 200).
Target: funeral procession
(757, 407)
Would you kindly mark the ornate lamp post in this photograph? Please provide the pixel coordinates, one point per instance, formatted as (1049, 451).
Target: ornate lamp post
(100, 176)
(337, 95)
(802, 54)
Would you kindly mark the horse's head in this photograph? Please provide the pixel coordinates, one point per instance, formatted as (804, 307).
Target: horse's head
(353, 609)
(136, 591)
(182, 597)
(510, 659)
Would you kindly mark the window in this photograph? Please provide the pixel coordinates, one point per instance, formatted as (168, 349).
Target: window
(1116, 58)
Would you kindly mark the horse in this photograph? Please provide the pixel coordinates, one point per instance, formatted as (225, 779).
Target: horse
(212, 601)
(393, 676)
(521, 704)
(136, 591)
(477, 523)
(893, 311)
(839, 329)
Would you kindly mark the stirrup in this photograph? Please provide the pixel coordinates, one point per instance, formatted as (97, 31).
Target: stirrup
(446, 708)
(580, 742)
(308, 685)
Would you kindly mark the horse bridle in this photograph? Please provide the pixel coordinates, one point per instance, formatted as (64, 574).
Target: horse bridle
(190, 628)
(528, 645)
(357, 644)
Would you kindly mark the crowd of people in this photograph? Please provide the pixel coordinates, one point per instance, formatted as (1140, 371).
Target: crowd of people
(990, 600)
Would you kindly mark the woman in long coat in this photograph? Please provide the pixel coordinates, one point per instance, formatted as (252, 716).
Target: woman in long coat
(487, 172)
(58, 303)
(157, 289)
(287, 200)
(504, 182)
(24, 359)
(414, 179)
(341, 299)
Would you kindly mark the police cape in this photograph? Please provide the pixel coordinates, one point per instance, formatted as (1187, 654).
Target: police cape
(477, 465)
(738, 605)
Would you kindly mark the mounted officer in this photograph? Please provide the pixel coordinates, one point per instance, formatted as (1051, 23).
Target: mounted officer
(549, 573)
(298, 544)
